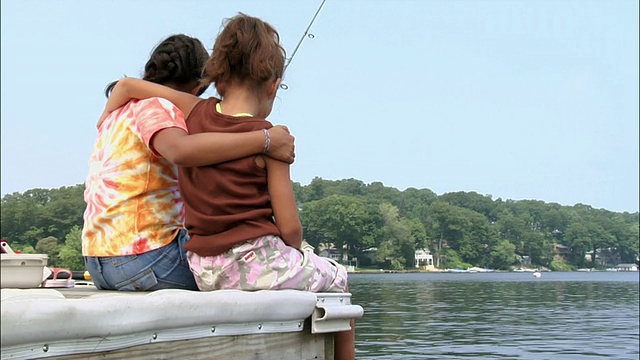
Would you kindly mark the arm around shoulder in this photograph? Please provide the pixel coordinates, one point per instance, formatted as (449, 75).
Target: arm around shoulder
(202, 149)
(131, 88)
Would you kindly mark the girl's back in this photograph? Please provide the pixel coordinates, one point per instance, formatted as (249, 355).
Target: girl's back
(125, 177)
(231, 207)
(227, 203)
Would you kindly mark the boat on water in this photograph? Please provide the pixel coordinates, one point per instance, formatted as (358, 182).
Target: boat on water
(480, 270)
(469, 270)
(458, 270)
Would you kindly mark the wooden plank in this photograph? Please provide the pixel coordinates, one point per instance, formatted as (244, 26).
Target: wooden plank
(281, 346)
(329, 347)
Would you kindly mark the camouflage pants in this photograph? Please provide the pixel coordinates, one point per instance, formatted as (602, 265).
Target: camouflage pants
(267, 263)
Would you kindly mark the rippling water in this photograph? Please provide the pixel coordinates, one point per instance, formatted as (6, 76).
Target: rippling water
(591, 315)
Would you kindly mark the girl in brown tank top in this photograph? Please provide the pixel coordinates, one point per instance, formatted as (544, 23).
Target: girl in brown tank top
(242, 215)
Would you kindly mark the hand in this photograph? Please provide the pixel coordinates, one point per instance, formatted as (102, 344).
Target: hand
(103, 117)
(282, 144)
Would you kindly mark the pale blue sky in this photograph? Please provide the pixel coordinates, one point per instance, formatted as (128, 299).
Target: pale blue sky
(517, 99)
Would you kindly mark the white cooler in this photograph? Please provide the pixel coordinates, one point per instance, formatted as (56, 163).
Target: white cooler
(22, 271)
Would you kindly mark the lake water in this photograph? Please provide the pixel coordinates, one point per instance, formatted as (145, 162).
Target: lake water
(577, 315)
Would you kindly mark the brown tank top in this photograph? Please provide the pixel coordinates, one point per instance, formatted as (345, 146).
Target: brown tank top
(225, 204)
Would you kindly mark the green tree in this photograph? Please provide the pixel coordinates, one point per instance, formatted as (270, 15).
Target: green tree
(414, 202)
(28, 250)
(482, 204)
(31, 236)
(463, 230)
(398, 244)
(451, 260)
(527, 242)
(64, 210)
(49, 246)
(315, 190)
(580, 238)
(71, 252)
(502, 255)
(38, 213)
(298, 192)
(19, 219)
(418, 232)
(625, 229)
(445, 225)
(343, 221)
(459, 227)
(377, 193)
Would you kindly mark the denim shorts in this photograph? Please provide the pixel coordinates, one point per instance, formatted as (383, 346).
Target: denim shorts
(163, 268)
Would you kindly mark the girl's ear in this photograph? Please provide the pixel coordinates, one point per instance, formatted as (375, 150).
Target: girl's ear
(273, 88)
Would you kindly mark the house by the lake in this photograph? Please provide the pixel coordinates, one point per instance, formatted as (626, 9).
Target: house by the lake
(627, 267)
(423, 258)
(560, 249)
(334, 254)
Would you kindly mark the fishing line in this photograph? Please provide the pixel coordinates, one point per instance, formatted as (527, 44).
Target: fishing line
(304, 36)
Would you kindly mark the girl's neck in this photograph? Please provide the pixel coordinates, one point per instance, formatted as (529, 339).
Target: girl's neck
(241, 100)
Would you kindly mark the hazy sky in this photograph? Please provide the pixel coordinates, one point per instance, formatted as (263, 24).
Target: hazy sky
(517, 99)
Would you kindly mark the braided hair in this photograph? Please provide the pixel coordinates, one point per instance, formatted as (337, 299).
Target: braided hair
(179, 60)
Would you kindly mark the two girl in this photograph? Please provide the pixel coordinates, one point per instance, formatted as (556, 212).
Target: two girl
(241, 215)
(133, 235)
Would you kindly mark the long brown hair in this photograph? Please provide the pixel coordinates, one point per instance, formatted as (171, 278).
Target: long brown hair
(246, 50)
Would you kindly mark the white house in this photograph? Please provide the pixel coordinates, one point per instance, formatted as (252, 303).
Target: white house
(627, 267)
(423, 257)
(334, 254)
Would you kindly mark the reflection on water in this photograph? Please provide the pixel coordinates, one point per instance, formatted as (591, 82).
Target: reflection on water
(498, 316)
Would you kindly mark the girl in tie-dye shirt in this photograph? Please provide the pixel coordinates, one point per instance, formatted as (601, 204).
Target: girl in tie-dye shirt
(133, 233)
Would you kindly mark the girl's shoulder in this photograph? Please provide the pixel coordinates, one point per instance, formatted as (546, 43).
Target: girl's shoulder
(205, 105)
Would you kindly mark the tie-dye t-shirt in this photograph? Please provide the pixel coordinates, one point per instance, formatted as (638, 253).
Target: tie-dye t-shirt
(132, 196)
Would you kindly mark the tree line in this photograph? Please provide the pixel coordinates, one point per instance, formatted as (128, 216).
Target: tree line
(461, 229)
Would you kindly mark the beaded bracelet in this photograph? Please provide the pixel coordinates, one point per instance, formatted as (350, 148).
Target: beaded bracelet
(267, 141)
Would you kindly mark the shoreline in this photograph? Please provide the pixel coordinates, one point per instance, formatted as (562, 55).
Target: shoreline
(382, 271)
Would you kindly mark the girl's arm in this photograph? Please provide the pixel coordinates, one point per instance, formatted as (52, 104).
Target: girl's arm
(283, 202)
(183, 149)
(132, 88)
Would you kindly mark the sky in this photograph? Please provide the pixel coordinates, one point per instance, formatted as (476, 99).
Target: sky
(518, 99)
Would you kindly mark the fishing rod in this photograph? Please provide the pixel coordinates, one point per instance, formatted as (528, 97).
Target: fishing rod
(305, 35)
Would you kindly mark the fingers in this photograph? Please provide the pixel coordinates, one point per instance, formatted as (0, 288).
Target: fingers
(282, 144)
(284, 128)
(102, 118)
(293, 155)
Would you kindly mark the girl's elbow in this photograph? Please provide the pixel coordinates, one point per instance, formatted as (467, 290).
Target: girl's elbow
(176, 155)
(183, 159)
(292, 234)
(124, 84)
(178, 161)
